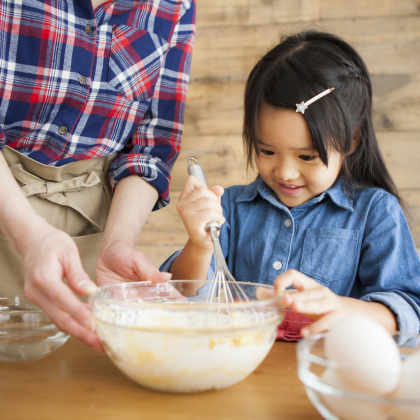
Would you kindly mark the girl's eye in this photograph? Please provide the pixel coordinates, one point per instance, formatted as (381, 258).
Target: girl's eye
(266, 152)
(307, 158)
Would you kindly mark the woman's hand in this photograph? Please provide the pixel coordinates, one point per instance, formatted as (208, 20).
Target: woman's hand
(312, 299)
(197, 206)
(50, 255)
(122, 262)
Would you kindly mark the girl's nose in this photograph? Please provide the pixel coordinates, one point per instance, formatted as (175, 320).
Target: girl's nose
(286, 170)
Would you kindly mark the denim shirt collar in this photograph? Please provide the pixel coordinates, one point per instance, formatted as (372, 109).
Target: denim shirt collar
(336, 193)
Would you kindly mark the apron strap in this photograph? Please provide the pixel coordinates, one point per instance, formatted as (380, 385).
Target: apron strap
(52, 191)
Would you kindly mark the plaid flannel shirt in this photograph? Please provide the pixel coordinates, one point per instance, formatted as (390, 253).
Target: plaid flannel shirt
(78, 83)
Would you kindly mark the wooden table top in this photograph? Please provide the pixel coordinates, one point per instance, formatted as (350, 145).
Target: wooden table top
(77, 383)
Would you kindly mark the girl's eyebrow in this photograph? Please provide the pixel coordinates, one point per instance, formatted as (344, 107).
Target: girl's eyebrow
(263, 144)
(295, 148)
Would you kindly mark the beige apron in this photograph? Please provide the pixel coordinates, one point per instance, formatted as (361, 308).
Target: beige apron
(75, 198)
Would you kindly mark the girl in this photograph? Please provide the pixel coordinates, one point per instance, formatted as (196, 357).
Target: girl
(324, 218)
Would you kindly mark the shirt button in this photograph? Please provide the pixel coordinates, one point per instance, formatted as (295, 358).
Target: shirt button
(62, 130)
(88, 29)
(287, 223)
(277, 265)
(82, 80)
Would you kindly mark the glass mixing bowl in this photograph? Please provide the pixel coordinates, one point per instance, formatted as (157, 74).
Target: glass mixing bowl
(167, 338)
(334, 400)
(26, 333)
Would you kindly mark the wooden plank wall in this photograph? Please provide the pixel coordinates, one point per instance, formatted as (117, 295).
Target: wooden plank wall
(233, 34)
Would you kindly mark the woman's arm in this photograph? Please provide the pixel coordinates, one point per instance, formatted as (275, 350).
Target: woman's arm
(49, 255)
(119, 260)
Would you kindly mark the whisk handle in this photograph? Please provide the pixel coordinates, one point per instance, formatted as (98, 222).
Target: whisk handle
(196, 170)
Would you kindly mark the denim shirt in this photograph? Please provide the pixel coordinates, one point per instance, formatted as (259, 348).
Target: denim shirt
(358, 245)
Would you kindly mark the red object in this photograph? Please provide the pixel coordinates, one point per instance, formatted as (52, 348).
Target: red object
(289, 329)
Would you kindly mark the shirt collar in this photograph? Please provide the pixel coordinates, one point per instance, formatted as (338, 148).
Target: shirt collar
(336, 192)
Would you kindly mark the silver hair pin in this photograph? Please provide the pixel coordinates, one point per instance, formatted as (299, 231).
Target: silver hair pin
(303, 105)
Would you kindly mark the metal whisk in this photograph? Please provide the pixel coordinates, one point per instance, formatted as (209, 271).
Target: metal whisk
(223, 280)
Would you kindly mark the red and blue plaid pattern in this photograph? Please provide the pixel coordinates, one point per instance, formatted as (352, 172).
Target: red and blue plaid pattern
(78, 84)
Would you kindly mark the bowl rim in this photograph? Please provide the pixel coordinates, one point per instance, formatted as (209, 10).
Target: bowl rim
(31, 305)
(302, 349)
(304, 356)
(31, 309)
(96, 296)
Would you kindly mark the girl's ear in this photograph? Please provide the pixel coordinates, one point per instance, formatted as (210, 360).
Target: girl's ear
(355, 143)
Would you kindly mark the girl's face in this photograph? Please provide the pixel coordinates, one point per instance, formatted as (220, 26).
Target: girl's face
(287, 161)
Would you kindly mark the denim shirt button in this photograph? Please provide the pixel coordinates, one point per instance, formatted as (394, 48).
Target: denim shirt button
(277, 265)
(287, 223)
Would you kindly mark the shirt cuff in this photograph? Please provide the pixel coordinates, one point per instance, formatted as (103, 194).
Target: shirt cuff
(2, 138)
(150, 169)
(405, 309)
(167, 264)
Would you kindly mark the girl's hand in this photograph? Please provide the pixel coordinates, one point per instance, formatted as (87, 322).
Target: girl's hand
(197, 206)
(312, 299)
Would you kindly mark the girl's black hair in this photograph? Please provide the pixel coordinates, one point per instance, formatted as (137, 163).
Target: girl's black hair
(299, 68)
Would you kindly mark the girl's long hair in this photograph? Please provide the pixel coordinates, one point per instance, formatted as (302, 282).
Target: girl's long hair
(299, 68)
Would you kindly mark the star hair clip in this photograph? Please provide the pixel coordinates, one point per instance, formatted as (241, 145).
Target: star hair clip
(303, 105)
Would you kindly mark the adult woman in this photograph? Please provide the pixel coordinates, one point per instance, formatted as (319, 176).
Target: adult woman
(91, 102)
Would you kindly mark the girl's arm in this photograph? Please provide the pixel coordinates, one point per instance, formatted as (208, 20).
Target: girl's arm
(197, 206)
(324, 306)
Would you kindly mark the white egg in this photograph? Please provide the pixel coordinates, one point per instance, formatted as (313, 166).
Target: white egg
(348, 408)
(368, 354)
(409, 389)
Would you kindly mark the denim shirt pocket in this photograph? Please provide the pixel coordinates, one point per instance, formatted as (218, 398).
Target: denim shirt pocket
(135, 61)
(329, 255)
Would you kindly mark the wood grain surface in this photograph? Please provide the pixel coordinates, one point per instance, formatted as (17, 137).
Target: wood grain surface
(76, 383)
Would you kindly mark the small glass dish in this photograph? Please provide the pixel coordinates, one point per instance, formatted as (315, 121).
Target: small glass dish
(26, 333)
(336, 401)
(166, 336)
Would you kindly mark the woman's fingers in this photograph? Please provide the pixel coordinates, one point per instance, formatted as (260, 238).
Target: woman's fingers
(146, 270)
(61, 297)
(68, 313)
(77, 278)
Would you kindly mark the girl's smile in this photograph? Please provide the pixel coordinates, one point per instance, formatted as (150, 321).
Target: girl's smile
(290, 189)
(287, 160)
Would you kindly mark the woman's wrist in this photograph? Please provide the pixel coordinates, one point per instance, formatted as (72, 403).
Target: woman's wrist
(29, 233)
(132, 203)
(20, 222)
